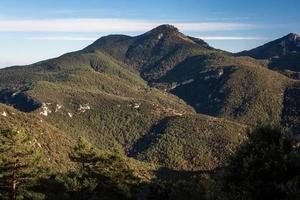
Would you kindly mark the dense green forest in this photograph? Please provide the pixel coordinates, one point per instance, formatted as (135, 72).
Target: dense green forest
(265, 166)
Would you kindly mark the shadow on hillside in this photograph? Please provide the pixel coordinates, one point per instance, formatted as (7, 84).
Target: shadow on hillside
(168, 182)
(19, 100)
(147, 140)
(164, 173)
(291, 111)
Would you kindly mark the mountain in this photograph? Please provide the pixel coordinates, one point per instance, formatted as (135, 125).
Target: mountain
(286, 45)
(160, 97)
(213, 82)
(283, 54)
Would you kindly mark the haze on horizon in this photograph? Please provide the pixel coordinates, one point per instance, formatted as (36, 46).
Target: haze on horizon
(34, 30)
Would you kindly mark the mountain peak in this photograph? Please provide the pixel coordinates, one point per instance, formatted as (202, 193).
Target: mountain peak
(293, 34)
(292, 37)
(165, 28)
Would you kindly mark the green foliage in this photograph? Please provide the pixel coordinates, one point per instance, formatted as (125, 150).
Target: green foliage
(266, 166)
(191, 142)
(20, 162)
(83, 153)
(43, 134)
(102, 174)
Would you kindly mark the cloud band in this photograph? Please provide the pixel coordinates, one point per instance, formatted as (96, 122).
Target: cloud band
(110, 25)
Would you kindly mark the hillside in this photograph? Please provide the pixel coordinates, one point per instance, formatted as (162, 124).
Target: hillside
(205, 144)
(45, 136)
(146, 96)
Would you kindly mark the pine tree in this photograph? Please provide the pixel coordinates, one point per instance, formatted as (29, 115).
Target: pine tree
(83, 153)
(20, 162)
(86, 156)
(101, 173)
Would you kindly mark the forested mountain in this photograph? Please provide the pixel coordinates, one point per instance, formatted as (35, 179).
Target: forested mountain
(164, 99)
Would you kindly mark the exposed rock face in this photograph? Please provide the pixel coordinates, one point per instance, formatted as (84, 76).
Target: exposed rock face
(84, 108)
(4, 114)
(58, 107)
(45, 110)
(293, 37)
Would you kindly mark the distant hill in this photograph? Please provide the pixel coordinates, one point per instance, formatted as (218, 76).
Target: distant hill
(283, 53)
(277, 48)
(160, 97)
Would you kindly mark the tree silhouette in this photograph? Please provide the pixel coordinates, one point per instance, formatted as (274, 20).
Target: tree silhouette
(265, 167)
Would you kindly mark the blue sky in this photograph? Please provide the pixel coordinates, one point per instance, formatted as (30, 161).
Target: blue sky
(32, 30)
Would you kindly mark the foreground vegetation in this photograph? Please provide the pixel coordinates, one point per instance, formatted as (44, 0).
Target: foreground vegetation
(266, 166)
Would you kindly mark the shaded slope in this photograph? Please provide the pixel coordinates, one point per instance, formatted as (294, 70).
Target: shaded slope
(220, 85)
(291, 108)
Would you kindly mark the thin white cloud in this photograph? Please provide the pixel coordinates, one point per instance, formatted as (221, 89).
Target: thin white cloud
(229, 18)
(232, 38)
(64, 38)
(110, 25)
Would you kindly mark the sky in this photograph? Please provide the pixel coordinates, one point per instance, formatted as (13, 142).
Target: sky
(33, 30)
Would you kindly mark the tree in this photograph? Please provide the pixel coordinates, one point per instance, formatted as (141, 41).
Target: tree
(83, 182)
(102, 174)
(84, 153)
(265, 167)
(116, 180)
(20, 162)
